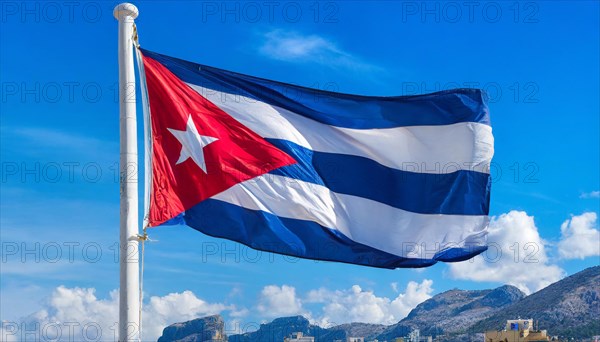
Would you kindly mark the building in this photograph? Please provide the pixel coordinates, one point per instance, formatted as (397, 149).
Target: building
(415, 336)
(517, 330)
(407, 339)
(299, 337)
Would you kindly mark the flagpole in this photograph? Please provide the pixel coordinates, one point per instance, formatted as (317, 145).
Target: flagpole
(129, 305)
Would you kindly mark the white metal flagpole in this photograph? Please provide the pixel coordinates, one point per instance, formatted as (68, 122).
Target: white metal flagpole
(129, 294)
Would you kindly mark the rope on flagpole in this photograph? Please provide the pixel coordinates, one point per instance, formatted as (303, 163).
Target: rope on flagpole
(147, 164)
(147, 128)
(147, 155)
(134, 37)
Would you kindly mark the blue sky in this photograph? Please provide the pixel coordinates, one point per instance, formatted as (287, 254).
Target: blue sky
(59, 144)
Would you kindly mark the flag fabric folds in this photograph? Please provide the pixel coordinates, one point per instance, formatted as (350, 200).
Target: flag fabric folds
(379, 181)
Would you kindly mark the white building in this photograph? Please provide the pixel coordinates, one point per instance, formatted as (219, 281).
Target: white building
(298, 337)
(415, 335)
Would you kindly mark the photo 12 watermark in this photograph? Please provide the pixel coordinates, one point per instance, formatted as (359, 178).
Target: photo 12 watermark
(326, 12)
(451, 12)
(52, 12)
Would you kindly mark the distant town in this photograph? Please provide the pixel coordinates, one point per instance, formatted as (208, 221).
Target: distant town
(567, 310)
(517, 330)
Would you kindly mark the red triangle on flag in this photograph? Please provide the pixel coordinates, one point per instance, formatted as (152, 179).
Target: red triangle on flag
(198, 149)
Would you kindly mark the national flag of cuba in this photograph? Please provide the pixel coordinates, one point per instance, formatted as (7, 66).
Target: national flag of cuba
(379, 181)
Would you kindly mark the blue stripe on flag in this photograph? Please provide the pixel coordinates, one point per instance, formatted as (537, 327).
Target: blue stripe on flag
(337, 109)
(458, 193)
(305, 239)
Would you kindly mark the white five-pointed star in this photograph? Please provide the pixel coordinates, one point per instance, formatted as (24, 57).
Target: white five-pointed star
(192, 144)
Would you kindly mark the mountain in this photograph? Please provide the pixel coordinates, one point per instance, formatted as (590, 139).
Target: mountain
(197, 330)
(569, 307)
(341, 332)
(279, 329)
(283, 327)
(453, 311)
(450, 309)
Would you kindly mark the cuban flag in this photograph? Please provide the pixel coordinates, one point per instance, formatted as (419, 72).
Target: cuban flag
(379, 181)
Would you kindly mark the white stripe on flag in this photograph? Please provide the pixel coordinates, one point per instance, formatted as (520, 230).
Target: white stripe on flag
(374, 224)
(424, 149)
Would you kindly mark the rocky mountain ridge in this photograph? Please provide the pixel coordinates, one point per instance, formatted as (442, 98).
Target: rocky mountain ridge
(569, 307)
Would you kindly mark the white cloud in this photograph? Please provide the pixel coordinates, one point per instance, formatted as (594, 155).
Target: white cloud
(343, 306)
(591, 194)
(580, 237)
(358, 305)
(278, 301)
(292, 46)
(176, 307)
(73, 312)
(414, 295)
(295, 47)
(516, 256)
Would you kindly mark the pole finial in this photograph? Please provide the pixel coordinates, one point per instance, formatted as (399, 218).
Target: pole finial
(125, 10)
